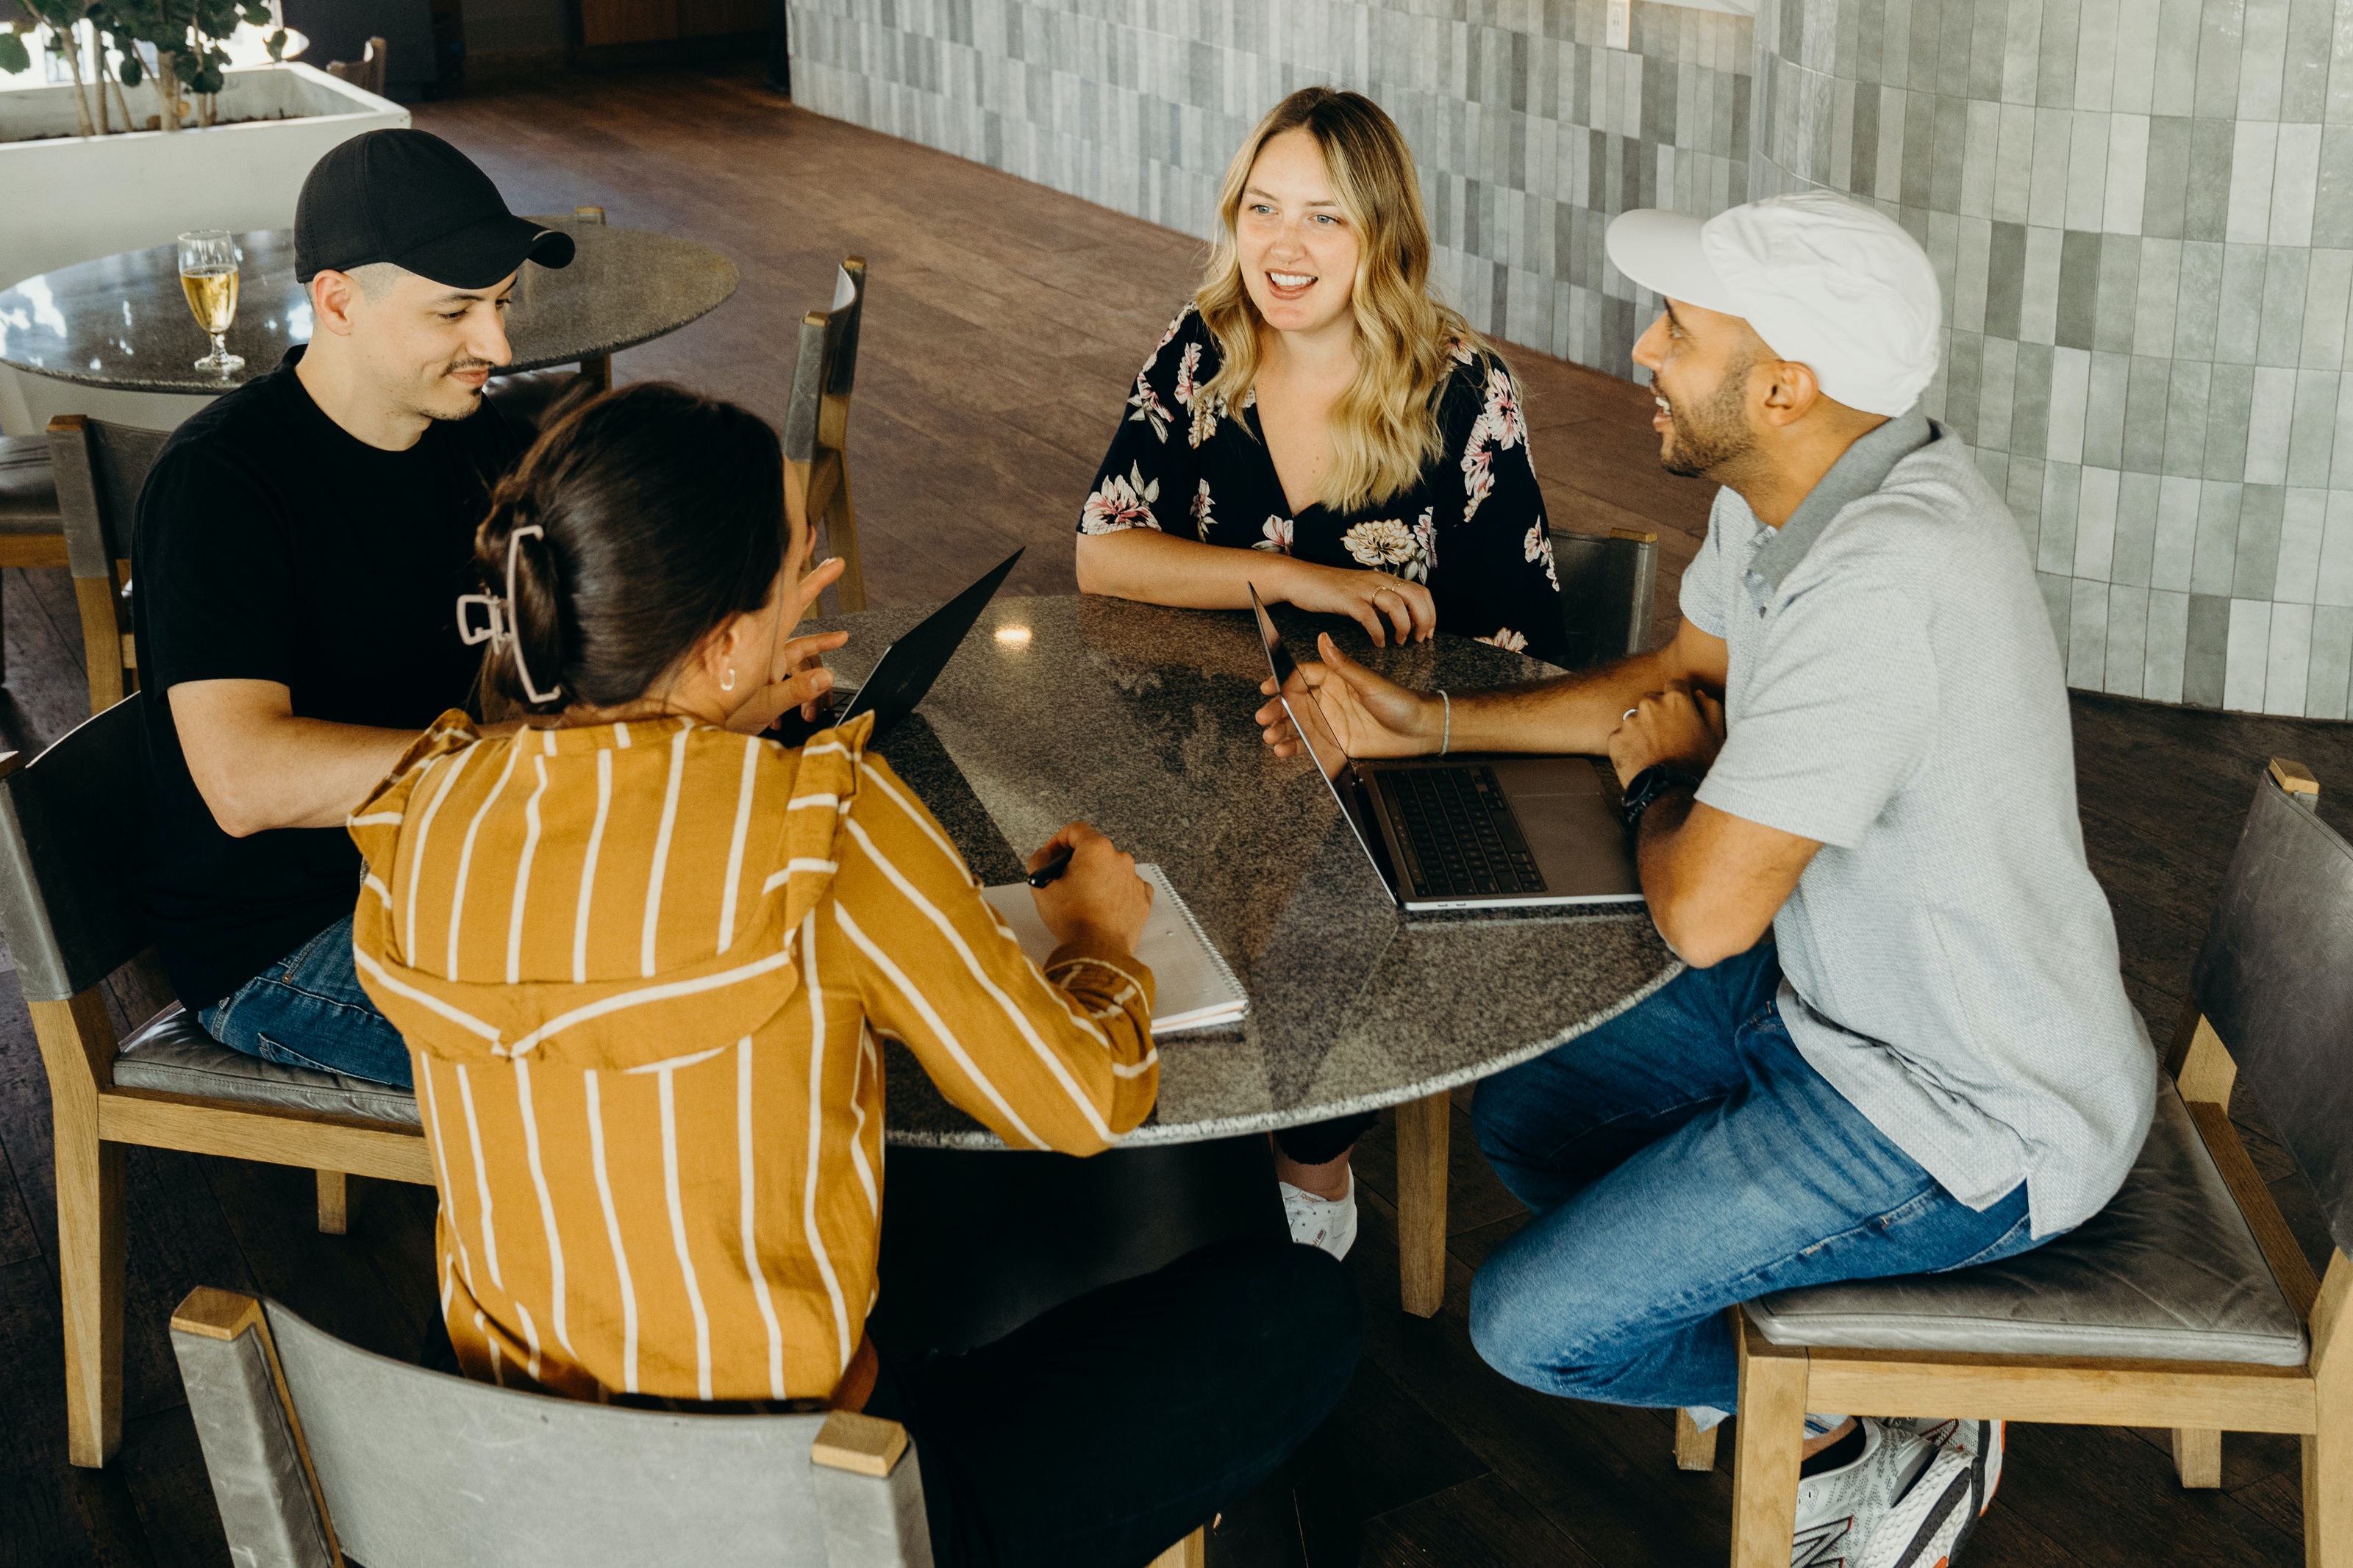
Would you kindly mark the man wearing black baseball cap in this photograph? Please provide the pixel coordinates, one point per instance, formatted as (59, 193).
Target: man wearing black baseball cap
(301, 543)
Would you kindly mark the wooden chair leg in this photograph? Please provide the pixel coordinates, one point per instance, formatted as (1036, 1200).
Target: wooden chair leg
(1422, 1135)
(77, 1041)
(1694, 1449)
(89, 1270)
(2329, 1499)
(2328, 1453)
(101, 641)
(1767, 1447)
(2197, 1456)
(841, 539)
(335, 1202)
(1193, 1551)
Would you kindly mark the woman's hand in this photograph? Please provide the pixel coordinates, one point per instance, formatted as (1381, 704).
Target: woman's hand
(1368, 716)
(812, 584)
(801, 681)
(1374, 600)
(1100, 895)
(797, 677)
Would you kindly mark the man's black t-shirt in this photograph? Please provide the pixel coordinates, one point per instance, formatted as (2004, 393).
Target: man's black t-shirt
(274, 545)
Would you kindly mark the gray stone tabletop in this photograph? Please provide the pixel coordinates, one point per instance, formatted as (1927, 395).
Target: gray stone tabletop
(123, 322)
(1137, 719)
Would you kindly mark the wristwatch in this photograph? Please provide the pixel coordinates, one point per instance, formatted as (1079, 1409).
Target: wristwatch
(1644, 788)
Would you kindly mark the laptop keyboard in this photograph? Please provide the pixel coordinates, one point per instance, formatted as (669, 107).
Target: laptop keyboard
(1457, 832)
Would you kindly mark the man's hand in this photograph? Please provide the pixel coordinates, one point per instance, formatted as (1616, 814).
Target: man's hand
(1368, 716)
(1680, 727)
(1100, 895)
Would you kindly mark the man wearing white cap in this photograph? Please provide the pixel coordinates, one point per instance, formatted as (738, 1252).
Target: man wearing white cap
(1857, 745)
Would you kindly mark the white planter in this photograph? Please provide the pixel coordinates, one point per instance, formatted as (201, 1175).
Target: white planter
(75, 198)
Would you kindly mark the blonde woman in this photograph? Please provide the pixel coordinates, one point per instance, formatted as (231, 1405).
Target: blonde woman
(1314, 405)
(1315, 424)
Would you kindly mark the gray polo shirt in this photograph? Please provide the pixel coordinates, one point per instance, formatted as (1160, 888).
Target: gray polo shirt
(1949, 964)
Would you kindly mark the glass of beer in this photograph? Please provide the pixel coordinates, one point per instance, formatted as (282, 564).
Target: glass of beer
(208, 259)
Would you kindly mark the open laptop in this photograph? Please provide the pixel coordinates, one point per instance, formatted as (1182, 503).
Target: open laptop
(904, 673)
(1472, 830)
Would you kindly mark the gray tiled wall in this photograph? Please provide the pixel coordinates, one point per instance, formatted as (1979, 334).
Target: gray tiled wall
(2142, 212)
(1530, 135)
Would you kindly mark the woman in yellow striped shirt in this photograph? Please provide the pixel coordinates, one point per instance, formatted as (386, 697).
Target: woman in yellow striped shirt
(642, 956)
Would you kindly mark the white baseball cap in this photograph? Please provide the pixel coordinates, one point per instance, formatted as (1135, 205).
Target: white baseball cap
(1827, 282)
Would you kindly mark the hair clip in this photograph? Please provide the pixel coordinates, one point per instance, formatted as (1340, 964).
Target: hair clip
(502, 623)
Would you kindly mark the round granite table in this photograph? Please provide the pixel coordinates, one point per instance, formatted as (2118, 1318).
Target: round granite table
(122, 321)
(1137, 719)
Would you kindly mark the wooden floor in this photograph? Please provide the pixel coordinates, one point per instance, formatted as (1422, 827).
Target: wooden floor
(1004, 324)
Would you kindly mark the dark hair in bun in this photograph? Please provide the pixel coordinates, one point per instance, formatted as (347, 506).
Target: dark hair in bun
(663, 516)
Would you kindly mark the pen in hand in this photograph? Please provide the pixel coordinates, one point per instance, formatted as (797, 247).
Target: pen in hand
(1051, 871)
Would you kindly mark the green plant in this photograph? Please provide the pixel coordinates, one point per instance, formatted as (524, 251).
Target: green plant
(185, 34)
(63, 18)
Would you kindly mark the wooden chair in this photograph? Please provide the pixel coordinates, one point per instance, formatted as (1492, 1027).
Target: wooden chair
(2186, 1303)
(1607, 584)
(366, 73)
(817, 472)
(99, 468)
(316, 1449)
(72, 921)
(31, 532)
(531, 399)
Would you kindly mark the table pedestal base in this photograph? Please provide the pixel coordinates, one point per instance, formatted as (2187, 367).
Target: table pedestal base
(975, 1243)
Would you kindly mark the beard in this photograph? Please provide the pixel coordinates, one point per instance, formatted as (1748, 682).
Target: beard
(1712, 431)
(448, 399)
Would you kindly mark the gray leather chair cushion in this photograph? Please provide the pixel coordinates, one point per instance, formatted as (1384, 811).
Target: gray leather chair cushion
(29, 486)
(2168, 1271)
(173, 1054)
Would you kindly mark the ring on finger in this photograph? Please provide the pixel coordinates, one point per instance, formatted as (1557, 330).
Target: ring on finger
(1627, 714)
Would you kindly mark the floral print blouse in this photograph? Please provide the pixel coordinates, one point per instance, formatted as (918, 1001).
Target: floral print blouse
(1472, 527)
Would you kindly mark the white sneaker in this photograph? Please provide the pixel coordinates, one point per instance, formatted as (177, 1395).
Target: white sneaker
(1840, 1511)
(1927, 1527)
(1984, 1441)
(1327, 1223)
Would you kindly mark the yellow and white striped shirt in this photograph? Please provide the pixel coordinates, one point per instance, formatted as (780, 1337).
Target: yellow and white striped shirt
(640, 968)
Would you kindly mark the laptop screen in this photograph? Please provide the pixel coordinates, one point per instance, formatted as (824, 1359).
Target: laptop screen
(1300, 701)
(904, 675)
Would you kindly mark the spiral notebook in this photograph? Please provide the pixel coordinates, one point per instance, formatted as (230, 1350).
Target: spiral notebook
(1193, 986)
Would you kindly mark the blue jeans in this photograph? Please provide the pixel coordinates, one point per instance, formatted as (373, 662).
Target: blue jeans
(1680, 1159)
(308, 1011)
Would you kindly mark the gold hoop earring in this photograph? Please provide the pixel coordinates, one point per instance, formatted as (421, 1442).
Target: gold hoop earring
(727, 682)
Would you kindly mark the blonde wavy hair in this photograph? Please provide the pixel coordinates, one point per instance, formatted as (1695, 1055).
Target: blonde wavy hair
(1385, 426)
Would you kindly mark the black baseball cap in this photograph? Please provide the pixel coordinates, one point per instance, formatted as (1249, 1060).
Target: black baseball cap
(410, 198)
